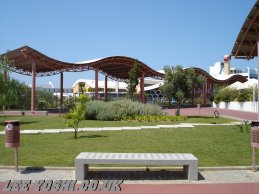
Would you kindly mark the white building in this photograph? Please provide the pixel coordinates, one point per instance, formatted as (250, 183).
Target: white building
(222, 71)
(55, 91)
(114, 88)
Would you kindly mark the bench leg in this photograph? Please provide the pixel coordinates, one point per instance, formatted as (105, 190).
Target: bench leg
(191, 171)
(185, 170)
(81, 171)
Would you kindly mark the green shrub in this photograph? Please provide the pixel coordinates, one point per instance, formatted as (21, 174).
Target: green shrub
(117, 110)
(244, 126)
(42, 105)
(76, 115)
(93, 108)
(217, 98)
(199, 100)
(245, 95)
(154, 118)
(228, 94)
(69, 104)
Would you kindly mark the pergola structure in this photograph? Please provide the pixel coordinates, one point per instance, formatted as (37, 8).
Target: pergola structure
(207, 86)
(28, 61)
(212, 80)
(247, 42)
(247, 47)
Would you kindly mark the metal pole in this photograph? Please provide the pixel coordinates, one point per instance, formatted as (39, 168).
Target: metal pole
(16, 158)
(254, 106)
(258, 79)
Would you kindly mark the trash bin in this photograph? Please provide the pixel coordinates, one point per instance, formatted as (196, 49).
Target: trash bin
(12, 134)
(255, 134)
(254, 141)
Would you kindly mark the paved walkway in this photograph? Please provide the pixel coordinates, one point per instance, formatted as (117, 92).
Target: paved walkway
(208, 111)
(230, 188)
(151, 182)
(136, 176)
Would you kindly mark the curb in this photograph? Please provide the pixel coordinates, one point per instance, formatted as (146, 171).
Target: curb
(212, 168)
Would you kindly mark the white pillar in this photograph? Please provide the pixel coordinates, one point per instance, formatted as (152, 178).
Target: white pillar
(117, 89)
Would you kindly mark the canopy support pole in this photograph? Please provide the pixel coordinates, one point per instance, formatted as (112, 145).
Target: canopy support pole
(142, 92)
(61, 89)
(105, 88)
(96, 84)
(33, 86)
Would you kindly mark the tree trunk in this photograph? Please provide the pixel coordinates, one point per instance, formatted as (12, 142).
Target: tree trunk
(75, 137)
(178, 107)
(169, 103)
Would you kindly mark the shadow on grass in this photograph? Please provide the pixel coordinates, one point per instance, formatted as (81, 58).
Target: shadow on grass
(91, 136)
(33, 169)
(200, 117)
(139, 175)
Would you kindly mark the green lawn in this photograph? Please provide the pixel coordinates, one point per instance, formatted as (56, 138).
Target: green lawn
(54, 122)
(212, 145)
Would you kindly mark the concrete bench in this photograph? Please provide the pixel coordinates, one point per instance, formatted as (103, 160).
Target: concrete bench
(189, 161)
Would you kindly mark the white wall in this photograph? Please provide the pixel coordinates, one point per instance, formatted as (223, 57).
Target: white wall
(245, 106)
(215, 69)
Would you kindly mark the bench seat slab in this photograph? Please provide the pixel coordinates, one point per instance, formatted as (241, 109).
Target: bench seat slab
(189, 161)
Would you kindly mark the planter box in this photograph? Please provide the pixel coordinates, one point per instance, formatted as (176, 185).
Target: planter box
(241, 106)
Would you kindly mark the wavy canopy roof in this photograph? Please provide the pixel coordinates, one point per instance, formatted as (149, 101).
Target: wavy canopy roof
(211, 79)
(116, 67)
(245, 46)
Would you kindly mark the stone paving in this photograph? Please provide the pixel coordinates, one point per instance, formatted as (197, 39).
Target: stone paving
(209, 111)
(161, 176)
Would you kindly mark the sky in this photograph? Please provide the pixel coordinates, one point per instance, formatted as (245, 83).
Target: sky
(157, 32)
